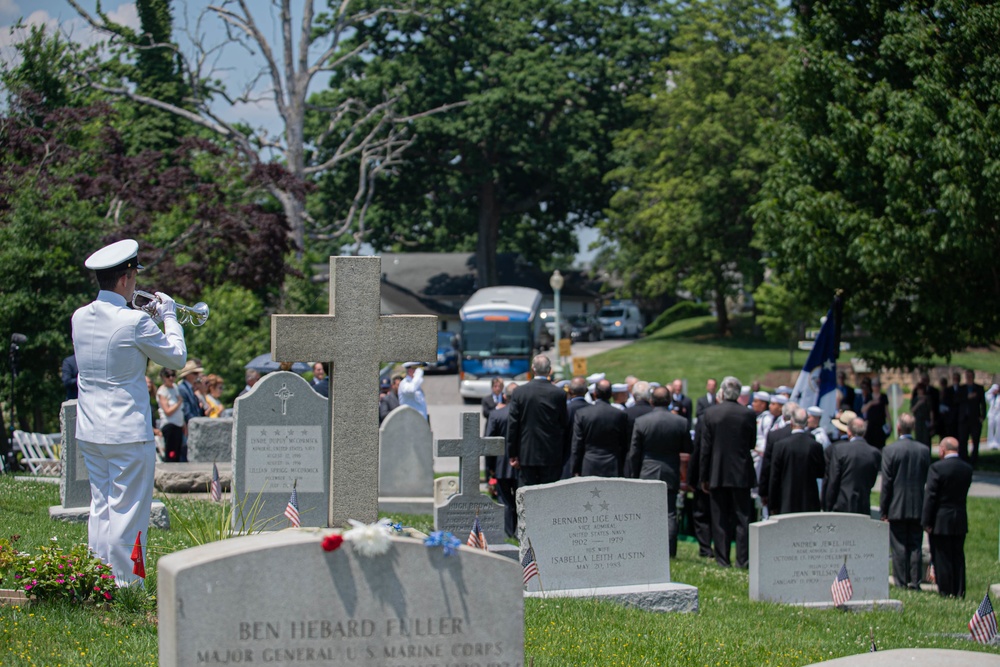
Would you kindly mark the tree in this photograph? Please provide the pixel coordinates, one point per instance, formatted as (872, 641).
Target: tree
(692, 165)
(290, 68)
(886, 180)
(543, 85)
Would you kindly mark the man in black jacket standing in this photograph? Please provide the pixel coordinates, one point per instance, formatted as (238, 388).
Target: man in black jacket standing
(658, 439)
(971, 401)
(600, 435)
(727, 474)
(796, 463)
(904, 473)
(536, 427)
(945, 519)
(854, 467)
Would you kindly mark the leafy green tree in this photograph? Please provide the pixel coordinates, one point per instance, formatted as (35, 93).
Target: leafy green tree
(692, 164)
(886, 180)
(536, 90)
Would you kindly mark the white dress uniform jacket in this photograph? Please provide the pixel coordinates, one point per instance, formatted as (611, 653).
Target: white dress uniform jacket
(112, 343)
(411, 394)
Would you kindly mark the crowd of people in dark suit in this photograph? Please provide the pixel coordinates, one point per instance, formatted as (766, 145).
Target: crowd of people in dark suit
(770, 448)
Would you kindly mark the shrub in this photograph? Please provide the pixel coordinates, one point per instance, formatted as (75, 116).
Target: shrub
(681, 310)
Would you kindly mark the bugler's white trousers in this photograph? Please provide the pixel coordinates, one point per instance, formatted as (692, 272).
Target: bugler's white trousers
(121, 493)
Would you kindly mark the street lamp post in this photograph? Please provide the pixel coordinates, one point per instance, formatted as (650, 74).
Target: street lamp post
(556, 283)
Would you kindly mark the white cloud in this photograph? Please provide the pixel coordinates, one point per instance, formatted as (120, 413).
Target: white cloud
(9, 8)
(74, 28)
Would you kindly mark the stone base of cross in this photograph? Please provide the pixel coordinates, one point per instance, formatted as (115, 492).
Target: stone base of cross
(356, 339)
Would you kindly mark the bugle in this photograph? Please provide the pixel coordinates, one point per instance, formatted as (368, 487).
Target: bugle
(195, 315)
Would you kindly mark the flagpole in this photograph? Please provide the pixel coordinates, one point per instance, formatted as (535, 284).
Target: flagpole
(539, 575)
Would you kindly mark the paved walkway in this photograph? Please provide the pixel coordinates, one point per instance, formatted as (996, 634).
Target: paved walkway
(985, 485)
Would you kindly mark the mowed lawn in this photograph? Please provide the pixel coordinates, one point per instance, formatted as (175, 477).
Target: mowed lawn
(692, 349)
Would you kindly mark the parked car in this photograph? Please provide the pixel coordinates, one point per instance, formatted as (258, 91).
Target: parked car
(585, 328)
(447, 354)
(621, 320)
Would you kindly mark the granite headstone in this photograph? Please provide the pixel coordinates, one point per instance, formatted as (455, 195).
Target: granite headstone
(280, 598)
(280, 436)
(794, 559)
(444, 488)
(210, 440)
(406, 463)
(601, 537)
(74, 485)
(457, 513)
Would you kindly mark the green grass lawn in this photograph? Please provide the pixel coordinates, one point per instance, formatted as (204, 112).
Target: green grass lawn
(729, 629)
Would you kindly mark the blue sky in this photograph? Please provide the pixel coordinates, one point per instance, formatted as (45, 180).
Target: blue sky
(233, 65)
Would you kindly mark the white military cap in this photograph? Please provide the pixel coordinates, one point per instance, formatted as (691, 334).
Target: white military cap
(745, 390)
(411, 364)
(654, 385)
(779, 399)
(595, 377)
(783, 390)
(762, 396)
(617, 388)
(592, 387)
(122, 254)
(815, 411)
(562, 383)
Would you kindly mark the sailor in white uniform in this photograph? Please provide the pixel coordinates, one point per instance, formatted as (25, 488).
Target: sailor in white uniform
(410, 390)
(113, 345)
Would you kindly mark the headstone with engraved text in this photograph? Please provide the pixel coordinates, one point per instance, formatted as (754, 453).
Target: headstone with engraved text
(280, 433)
(408, 607)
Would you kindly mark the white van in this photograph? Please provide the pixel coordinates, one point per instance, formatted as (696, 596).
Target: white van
(621, 321)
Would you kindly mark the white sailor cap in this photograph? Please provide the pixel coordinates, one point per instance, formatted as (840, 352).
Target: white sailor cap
(783, 390)
(411, 364)
(815, 411)
(654, 385)
(745, 390)
(779, 399)
(592, 387)
(595, 377)
(618, 388)
(122, 254)
(562, 383)
(762, 396)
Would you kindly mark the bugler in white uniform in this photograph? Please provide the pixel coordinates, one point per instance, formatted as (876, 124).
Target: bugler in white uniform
(113, 344)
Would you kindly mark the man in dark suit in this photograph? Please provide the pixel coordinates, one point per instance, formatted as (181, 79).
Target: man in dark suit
(390, 400)
(727, 472)
(774, 436)
(701, 511)
(875, 411)
(904, 473)
(599, 437)
(577, 401)
(846, 391)
(536, 427)
(945, 519)
(948, 408)
(708, 398)
(488, 404)
(658, 439)
(680, 403)
(506, 476)
(854, 467)
(971, 401)
(641, 394)
(69, 375)
(796, 464)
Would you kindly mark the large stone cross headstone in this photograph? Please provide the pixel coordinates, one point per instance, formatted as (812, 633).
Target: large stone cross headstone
(458, 512)
(355, 338)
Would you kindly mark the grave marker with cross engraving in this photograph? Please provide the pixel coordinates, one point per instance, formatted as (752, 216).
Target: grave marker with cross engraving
(355, 338)
(458, 512)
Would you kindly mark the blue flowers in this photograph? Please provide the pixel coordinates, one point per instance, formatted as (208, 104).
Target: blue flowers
(446, 540)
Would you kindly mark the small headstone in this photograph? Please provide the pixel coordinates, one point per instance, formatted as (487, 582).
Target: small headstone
(280, 436)
(74, 485)
(210, 439)
(444, 488)
(457, 514)
(794, 558)
(289, 601)
(601, 537)
(405, 463)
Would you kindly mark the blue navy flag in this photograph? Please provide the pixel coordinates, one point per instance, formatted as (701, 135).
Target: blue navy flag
(817, 383)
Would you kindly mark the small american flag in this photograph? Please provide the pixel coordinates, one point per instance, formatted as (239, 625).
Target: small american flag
(216, 487)
(842, 589)
(476, 538)
(138, 564)
(292, 511)
(983, 625)
(529, 565)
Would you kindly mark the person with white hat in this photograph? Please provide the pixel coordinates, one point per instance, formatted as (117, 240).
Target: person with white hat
(815, 414)
(113, 344)
(410, 390)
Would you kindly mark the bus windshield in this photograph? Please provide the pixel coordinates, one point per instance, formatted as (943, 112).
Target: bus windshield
(496, 338)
